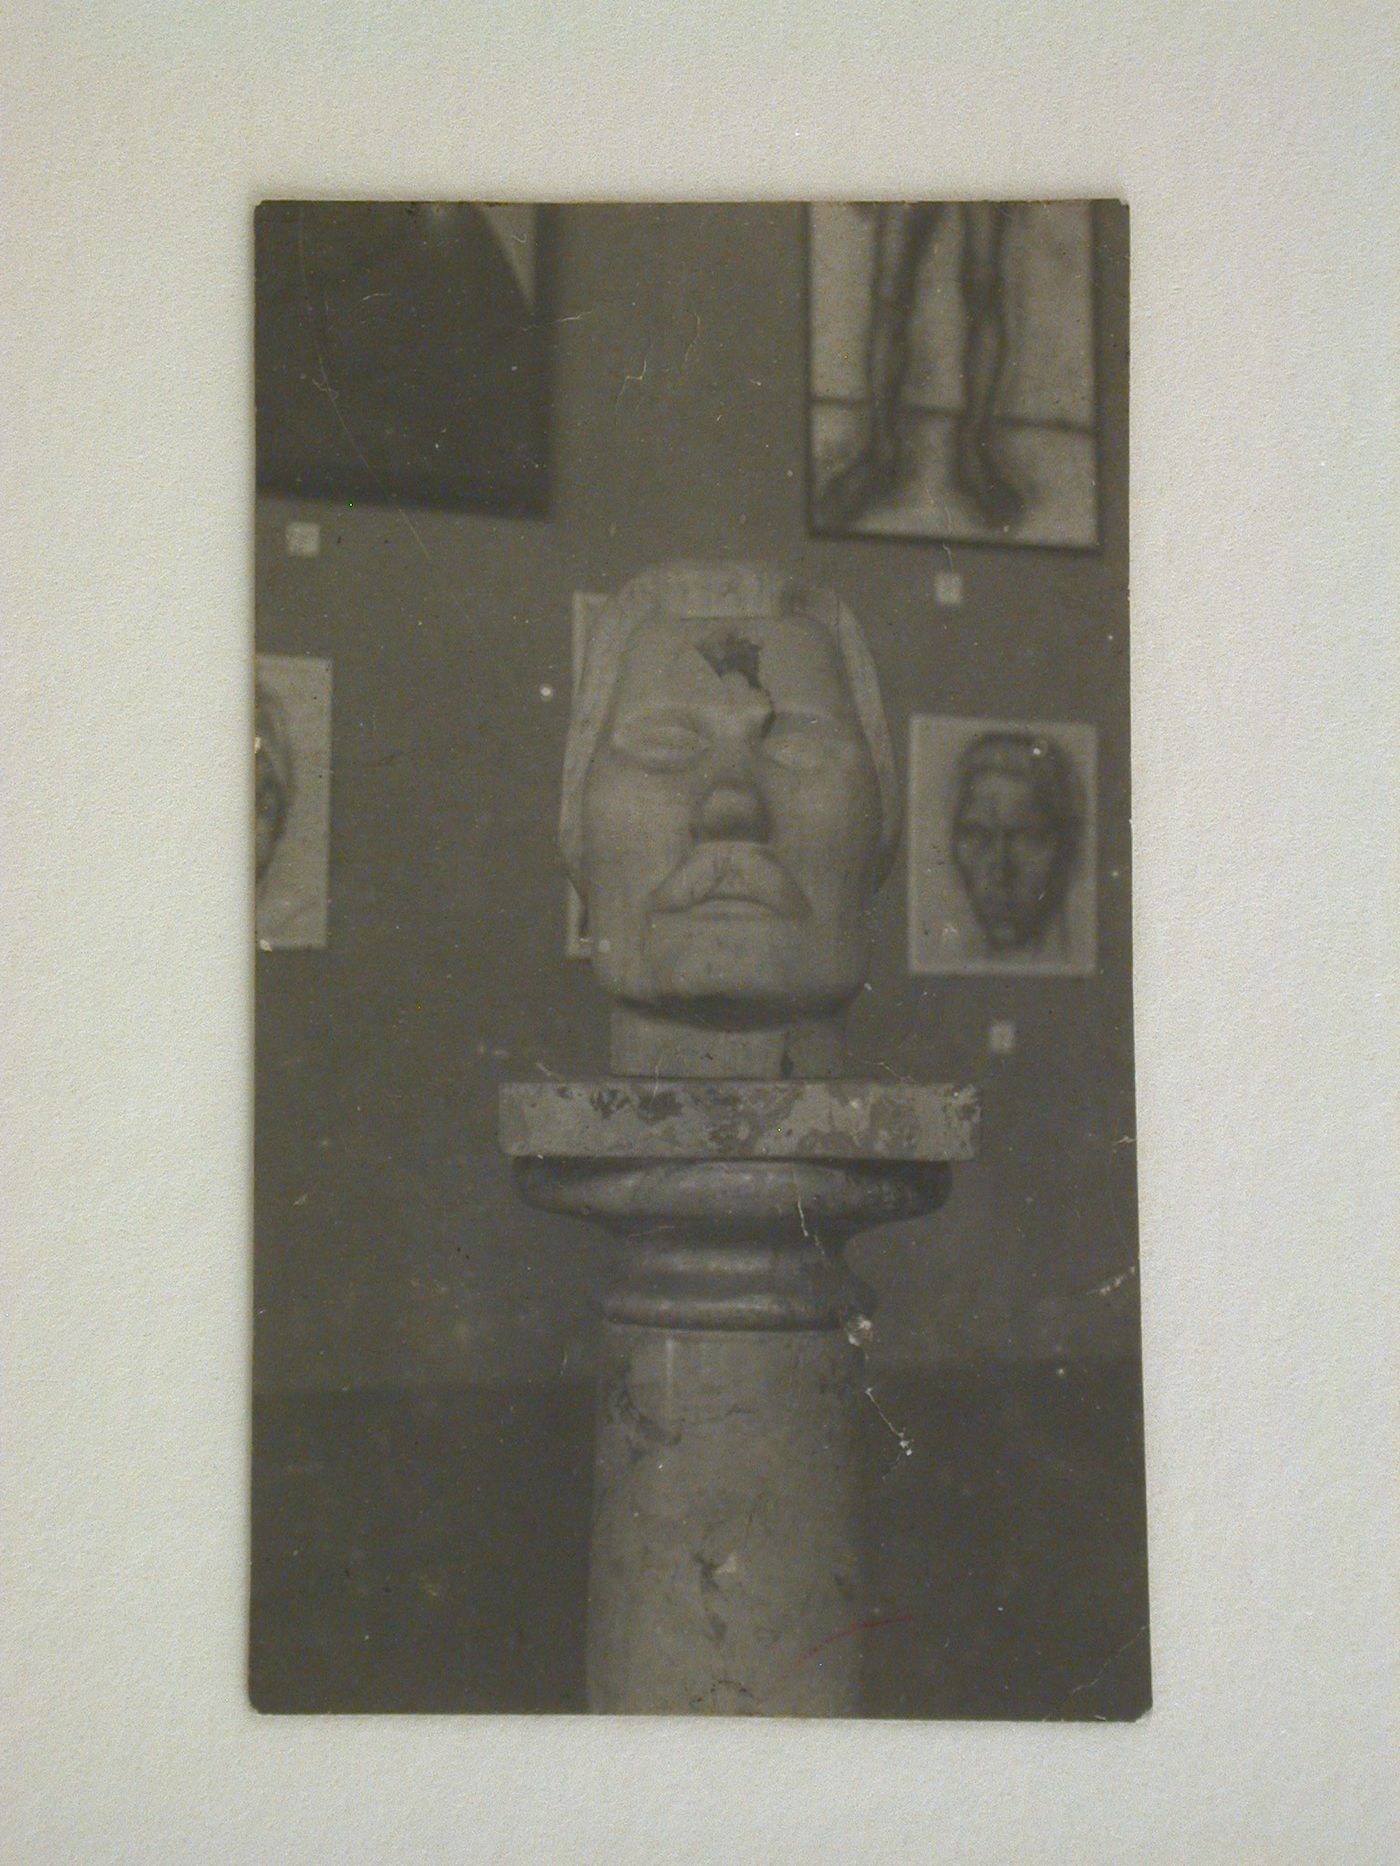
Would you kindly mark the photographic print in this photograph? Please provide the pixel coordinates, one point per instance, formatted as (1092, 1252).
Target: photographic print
(701, 1313)
(292, 789)
(1002, 865)
(953, 372)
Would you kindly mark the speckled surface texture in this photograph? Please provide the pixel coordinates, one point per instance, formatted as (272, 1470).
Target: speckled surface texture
(674, 1119)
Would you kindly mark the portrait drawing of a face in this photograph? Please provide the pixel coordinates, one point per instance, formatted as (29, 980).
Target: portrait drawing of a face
(291, 800)
(1001, 847)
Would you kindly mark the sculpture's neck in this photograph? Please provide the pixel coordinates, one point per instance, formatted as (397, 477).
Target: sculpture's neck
(647, 1045)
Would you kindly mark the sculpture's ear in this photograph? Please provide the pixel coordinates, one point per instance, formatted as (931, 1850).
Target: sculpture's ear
(570, 849)
(570, 840)
(884, 861)
(891, 812)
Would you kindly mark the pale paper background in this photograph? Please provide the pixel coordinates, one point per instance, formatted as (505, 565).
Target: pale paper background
(1257, 146)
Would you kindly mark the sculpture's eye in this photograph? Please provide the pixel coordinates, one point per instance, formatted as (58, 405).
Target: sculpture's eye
(660, 744)
(801, 741)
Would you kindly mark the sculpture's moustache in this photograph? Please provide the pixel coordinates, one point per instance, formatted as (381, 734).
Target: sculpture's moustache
(731, 871)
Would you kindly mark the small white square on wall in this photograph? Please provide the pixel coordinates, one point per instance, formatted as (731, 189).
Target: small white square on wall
(947, 588)
(303, 538)
(1001, 1037)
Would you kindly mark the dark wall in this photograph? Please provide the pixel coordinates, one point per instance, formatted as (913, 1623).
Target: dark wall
(390, 1247)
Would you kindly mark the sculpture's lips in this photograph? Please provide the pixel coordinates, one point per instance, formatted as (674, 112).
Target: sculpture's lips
(731, 877)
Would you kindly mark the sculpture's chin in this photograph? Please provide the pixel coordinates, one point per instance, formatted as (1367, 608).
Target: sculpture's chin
(732, 970)
(717, 995)
(747, 1007)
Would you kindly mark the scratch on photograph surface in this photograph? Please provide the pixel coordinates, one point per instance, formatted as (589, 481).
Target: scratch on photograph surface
(906, 1443)
(638, 379)
(801, 1215)
(694, 339)
(846, 1632)
(1109, 1284)
(1111, 1660)
(604, 304)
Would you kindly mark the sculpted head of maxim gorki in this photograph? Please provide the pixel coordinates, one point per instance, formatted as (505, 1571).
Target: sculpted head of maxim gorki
(730, 800)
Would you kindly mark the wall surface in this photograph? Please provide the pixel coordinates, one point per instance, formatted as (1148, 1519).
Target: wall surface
(390, 1247)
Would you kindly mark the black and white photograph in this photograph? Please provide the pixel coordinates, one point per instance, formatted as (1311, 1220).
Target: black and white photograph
(676, 1291)
(1002, 832)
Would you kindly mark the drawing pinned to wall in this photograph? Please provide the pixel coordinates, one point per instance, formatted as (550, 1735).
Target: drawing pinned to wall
(402, 354)
(586, 607)
(292, 786)
(952, 390)
(1002, 846)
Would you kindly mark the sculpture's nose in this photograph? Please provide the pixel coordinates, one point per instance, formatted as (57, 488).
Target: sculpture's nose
(731, 810)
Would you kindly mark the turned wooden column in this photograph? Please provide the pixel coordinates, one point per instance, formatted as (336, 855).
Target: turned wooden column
(725, 1560)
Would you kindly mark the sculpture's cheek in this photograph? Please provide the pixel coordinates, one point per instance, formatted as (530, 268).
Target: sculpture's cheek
(635, 832)
(827, 834)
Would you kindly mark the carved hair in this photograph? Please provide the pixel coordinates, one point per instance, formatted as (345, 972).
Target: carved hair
(736, 592)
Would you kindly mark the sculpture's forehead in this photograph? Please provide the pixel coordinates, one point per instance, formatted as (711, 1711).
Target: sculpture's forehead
(791, 662)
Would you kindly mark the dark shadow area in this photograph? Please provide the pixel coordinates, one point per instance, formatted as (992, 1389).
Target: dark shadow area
(426, 1550)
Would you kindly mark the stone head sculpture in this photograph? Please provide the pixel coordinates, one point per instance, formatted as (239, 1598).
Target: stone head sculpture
(730, 807)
